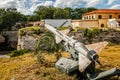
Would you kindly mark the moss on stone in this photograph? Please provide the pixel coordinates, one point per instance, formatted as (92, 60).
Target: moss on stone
(64, 28)
(32, 30)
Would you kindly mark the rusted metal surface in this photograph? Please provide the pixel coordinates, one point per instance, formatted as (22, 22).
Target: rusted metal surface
(98, 47)
(83, 62)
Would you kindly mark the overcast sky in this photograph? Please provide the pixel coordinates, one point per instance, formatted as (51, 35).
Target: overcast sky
(28, 6)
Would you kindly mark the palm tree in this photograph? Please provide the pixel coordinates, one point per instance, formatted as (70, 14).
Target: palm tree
(47, 43)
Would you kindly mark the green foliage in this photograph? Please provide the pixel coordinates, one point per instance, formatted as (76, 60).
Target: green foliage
(64, 27)
(78, 12)
(33, 17)
(61, 13)
(18, 53)
(23, 31)
(91, 33)
(45, 12)
(8, 18)
(78, 29)
(40, 58)
(47, 43)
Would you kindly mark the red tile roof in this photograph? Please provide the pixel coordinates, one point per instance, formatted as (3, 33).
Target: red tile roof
(104, 11)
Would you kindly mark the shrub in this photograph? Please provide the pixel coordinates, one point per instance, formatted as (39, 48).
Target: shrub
(47, 43)
(91, 33)
(18, 53)
(64, 27)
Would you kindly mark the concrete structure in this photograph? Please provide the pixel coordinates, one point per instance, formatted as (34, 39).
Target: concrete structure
(98, 18)
(58, 22)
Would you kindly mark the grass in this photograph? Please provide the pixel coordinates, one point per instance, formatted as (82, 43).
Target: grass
(110, 57)
(26, 67)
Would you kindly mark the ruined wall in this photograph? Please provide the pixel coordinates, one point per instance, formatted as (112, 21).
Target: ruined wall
(27, 38)
(27, 42)
(111, 35)
(11, 37)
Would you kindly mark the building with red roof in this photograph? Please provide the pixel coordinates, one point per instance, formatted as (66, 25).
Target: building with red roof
(99, 18)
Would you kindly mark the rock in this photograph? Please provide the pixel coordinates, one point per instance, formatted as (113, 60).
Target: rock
(26, 42)
(2, 39)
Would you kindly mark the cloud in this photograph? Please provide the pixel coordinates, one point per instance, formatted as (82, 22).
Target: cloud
(68, 3)
(110, 2)
(78, 3)
(49, 3)
(117, 6)
(93, 3)
(25, 6)
(28, 6)
(61, 3)
(10, 3)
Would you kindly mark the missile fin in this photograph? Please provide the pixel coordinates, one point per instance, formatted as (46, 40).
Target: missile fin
(83, 62)
(58, 39)
(98, 47)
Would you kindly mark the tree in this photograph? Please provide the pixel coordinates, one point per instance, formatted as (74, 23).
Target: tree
(69, 10)
(78, 12)
(45, 12)
(9, 17)
(33, 17)
(61, 13)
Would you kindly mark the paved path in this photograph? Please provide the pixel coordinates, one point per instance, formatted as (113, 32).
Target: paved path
(3, 54)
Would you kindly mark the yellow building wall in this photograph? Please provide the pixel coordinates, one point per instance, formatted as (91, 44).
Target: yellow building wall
(85, 23)
(104, 16)
(89, 23)
(102, 23)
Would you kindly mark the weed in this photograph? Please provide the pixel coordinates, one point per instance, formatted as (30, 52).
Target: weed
(18, 53)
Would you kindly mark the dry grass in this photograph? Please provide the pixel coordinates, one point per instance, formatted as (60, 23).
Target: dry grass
(26, 67)
(110, 57)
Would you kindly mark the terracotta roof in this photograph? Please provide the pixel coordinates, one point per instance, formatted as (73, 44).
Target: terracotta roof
(104, 11)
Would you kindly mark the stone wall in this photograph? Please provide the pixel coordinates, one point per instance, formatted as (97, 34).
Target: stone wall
(85, 23)
(27, 42)
(27, 38)
(110, 36)
(89, 23)
(107, 35)
(10, 38)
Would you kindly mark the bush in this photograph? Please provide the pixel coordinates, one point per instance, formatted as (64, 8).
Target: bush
(47, 43)
(64, 27)
(18, 53)
(91, 33)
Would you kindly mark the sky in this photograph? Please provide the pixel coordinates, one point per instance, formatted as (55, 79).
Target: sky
(27, 7)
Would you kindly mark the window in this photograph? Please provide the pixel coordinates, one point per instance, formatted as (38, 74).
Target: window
(92, 17)
(118, 16)
(102, 25)
(89, 17)
(99, 16)
(110, 16)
